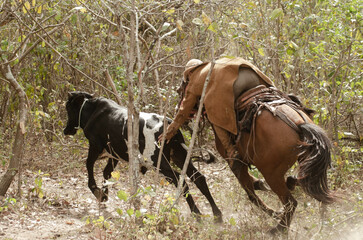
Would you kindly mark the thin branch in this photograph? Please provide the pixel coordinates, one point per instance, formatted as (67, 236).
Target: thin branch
(100, 16)
(157, 64)
(3, 79)
(149, 55)
(47, 18)
(21, 58)
(79, 71)
(41, 27)
(150, 26)
(113, 86)
(168, 34)
(165, 126)
(41, 38)
(195, 131)
(108, 7)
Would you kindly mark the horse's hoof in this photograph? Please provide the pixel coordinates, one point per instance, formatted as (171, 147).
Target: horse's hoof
(278, 215)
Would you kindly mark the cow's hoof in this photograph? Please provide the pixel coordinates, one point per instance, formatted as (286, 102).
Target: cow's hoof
(279, 229)
(100, 195)
(218, 219)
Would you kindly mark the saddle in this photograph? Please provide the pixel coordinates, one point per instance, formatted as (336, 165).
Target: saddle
(287, 107)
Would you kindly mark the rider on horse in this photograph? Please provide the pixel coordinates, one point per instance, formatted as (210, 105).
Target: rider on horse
(275, 114)
(228, 80)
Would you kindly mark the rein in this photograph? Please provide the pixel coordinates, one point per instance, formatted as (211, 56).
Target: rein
(80, 114)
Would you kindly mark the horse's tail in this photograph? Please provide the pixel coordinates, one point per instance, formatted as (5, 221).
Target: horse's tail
(314, 161)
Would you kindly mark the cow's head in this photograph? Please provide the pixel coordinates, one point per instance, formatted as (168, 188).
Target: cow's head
(73, 106)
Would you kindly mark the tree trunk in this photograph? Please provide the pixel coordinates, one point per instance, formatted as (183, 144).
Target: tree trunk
(132, 115)
(18, 147)
(195, 126)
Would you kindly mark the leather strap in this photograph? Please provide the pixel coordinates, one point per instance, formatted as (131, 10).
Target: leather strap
(80, 114)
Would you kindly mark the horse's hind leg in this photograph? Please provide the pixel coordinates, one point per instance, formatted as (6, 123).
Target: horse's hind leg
(279, 186)
(240, 170)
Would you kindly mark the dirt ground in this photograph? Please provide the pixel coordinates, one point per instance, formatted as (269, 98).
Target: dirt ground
(66, 209)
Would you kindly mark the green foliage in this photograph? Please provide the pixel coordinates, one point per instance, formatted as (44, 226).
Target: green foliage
(6, 203)
(38, 184)
(99, 222)
(122, 195)
(311, 48)
(232, 221)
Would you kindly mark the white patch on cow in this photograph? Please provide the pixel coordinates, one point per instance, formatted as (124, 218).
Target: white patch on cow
(150, 141)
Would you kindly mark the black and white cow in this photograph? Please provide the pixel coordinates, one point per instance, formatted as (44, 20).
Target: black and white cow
(104, 124)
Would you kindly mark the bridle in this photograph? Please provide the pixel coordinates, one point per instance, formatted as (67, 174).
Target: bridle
(80, 114)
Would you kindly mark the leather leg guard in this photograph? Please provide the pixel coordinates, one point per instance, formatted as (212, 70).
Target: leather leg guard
(227, 143)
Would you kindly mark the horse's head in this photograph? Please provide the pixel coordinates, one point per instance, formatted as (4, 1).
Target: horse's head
(74, 106)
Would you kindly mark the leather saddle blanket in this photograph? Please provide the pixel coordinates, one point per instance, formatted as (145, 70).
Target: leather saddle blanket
(287, 107)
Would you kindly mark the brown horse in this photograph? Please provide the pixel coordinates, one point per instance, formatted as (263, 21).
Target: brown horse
(280, 133)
